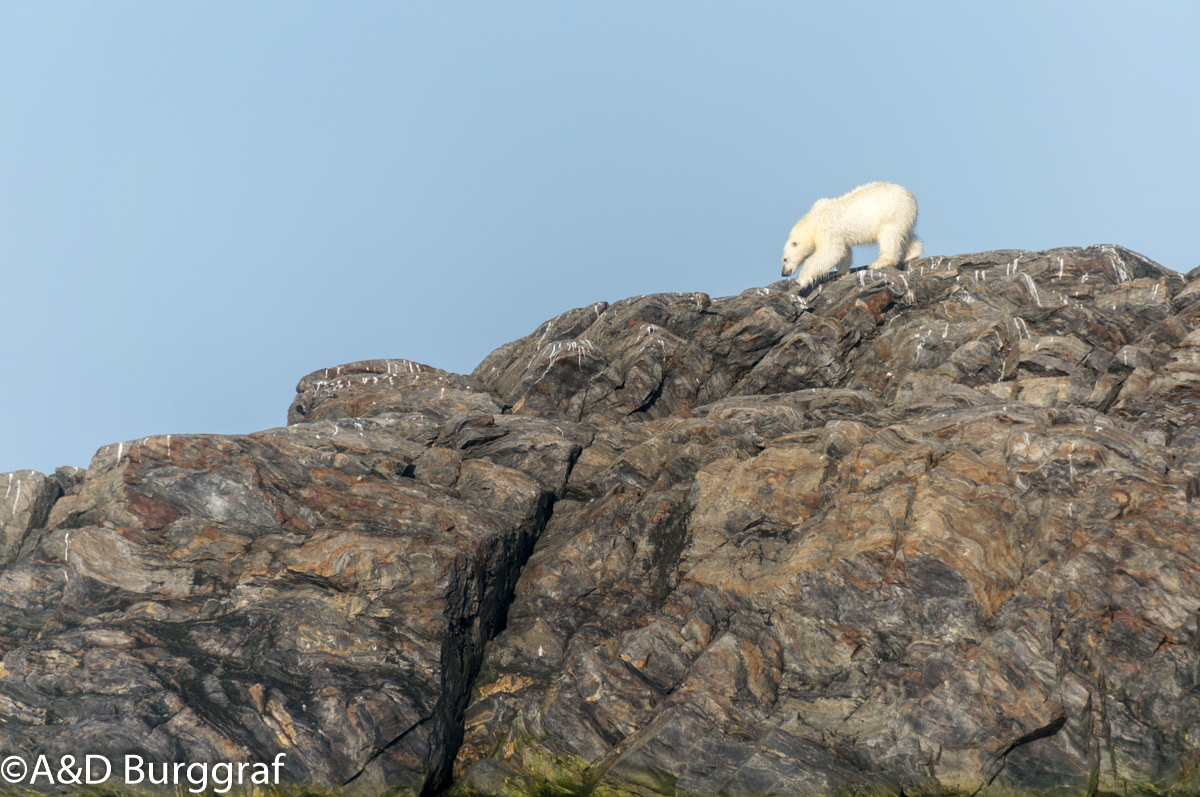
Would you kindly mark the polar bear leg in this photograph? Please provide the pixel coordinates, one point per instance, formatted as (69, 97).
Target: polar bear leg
(913, 248)
(891, 242)
(822, 260)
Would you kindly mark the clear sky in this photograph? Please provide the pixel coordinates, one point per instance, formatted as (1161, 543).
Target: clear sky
(202, 202)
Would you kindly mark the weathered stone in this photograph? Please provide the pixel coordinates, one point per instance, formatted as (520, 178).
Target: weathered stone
(961, 563)
(230, 597)
(375, 387)
(917, 532)
(24, 507)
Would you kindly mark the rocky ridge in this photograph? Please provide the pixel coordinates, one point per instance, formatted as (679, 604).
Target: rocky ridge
(922, 531)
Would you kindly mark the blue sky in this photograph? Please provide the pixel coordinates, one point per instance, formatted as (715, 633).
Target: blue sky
(201, 203)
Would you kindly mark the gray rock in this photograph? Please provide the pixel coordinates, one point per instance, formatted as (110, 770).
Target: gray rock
(231, 597)
(910, 532)
(24, 507)
(907, 532)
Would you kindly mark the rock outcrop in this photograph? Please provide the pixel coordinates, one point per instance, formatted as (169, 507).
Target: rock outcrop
(929, 531)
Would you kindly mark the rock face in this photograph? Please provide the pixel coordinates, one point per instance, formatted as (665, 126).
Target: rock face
(926, 531)
(929, 531)
(323, 590)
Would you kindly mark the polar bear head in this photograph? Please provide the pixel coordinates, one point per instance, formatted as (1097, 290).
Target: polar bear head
(800, 244)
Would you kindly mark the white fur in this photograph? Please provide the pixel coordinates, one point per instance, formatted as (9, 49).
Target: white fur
(882, 213)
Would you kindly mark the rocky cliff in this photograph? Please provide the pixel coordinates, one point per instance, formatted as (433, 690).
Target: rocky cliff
(916, 532)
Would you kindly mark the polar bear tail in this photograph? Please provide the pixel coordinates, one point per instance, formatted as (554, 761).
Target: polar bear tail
(913, 248)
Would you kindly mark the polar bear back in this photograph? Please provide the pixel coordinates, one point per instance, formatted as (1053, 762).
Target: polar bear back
(856, 217)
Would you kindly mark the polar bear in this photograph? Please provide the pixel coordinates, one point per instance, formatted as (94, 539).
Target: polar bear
(882, 213)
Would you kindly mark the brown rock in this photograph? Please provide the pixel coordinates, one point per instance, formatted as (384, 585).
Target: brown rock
(944, 568)
(231, 597)
(929, 531)
(24, 506)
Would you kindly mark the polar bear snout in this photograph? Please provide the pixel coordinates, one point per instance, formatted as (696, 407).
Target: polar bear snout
(793, 256)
